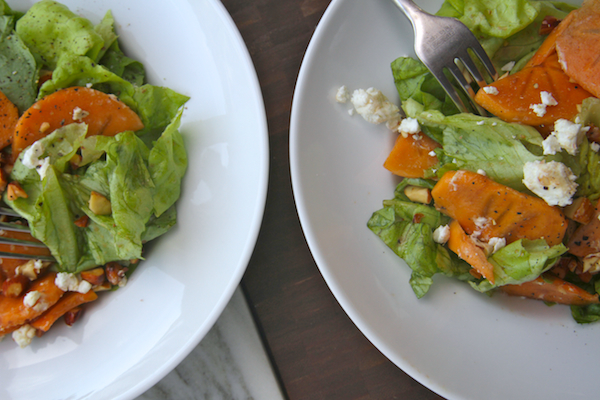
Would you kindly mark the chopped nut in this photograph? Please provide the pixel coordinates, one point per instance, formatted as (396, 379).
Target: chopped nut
(115, 273)
(82, 221)
(75, 161)
(73, 315)
(94, 276)
(15, 286)
(591, 263)
(418, 194)
(31, 269)
(101, 288)
(14, 191)
(99, 204)
(581, 210)
(44, 127)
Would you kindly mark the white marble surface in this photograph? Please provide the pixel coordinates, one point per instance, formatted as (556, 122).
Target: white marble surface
(229, 363)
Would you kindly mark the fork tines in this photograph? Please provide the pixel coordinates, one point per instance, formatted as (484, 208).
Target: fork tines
(18, 227)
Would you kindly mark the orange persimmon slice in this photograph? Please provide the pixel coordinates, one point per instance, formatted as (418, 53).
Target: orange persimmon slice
(69, 301)
(553, 289)
(517, 93)
(577, 46)
(466, 249)
(14, 313)
(103, 113)
(411, 156)
(480, 204)
(9, 114)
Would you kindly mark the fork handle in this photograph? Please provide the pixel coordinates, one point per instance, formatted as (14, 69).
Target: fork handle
(411, 10)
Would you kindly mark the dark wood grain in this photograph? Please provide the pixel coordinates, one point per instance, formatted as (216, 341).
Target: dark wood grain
(316, 349)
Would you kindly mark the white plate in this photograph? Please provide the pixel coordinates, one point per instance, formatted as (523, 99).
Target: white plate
(133, 337)
(461, 344)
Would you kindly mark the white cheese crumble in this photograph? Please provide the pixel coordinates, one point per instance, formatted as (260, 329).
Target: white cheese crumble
(538, 109)
(31, 298)
(496, 243)
(374, 107)
(566, 135)
(441, 234)
(481, 222)
(31, 159)
(554, 182)
(432, 154)
(24, 335)
(31, 156)
(481, 172)
(409, 126)
(595, 146)
(79, 114)
(493, 90)
(68, 282)
(342, 95)
(548, 99)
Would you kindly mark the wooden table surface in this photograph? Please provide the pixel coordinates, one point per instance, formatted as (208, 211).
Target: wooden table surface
(315, 348)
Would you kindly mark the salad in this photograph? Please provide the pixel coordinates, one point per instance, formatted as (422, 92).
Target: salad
(506, 203)
(92, 160)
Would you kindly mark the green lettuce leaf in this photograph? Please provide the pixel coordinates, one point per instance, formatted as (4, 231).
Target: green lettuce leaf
(50, 30)
(413, 241)
(117, 167)
(521, 261)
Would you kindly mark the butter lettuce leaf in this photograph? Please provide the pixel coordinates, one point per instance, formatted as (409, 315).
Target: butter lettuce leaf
(120, 170)
(49, 29)
(397, 227)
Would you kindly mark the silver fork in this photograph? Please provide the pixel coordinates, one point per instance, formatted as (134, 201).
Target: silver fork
(439, 43)
(17, 227)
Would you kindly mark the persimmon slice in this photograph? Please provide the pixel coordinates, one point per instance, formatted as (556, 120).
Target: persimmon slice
(9, 114)
(466, 249)
(577, 46)
(494, 210)
(103, 113)
(411, 156)
(517, 93)
(553, 289)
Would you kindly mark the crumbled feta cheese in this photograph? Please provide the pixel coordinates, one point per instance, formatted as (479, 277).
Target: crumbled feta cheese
(31, 156)
(553, 181)
(538, 109)
(508, 66)
(342, 95)
(548, 99)
(31, 298)
(496, 243)
(410, 126)
(43, 166)
(432, 154)
(568, 135)
(441, 234)
(79, 114)
(481, 172)
(374, 107)
(595, 146)
(481, 222)
(480, 122)
(351, 112)
(550, 145)
(84, 286)
(493, 90)
(24, 335)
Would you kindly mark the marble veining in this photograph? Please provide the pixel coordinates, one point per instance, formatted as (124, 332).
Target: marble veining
(229, 363)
